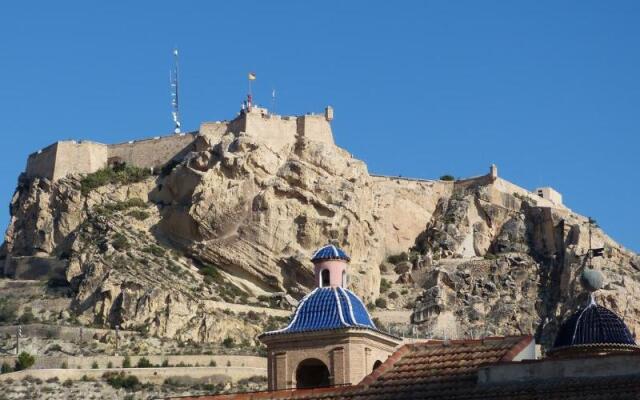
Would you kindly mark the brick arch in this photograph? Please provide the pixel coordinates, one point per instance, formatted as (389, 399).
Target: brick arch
(312, 372)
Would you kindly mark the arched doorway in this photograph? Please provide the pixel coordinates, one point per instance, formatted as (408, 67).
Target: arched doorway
(312, 373)
(376, 364)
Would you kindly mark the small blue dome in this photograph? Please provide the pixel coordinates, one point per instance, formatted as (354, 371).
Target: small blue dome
(330, 252)
(328, 308)
(593, 325)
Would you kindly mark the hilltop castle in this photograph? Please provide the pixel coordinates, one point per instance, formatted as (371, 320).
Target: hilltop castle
(68, 157)
(81, 157)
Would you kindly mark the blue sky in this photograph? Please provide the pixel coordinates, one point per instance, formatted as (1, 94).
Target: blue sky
(547, 90)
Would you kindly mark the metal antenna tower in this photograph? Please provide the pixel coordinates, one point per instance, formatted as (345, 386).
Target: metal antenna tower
(173, 81)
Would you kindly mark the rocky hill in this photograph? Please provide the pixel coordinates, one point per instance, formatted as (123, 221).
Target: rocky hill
(234, 223)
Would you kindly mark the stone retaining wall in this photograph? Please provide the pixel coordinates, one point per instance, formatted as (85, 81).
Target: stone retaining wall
(86, 362)
(68, 333)
(146, 375)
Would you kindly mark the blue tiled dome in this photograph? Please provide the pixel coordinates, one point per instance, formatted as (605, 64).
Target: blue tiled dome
(330, 252)
(593, 325)
(328, 308)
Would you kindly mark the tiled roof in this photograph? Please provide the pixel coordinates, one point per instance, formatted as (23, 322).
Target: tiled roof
(329, 252)
(449, 370)
(593, 325)
(437, 368)
(328, 308)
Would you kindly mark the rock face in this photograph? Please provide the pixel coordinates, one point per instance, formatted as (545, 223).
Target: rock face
(237, 219)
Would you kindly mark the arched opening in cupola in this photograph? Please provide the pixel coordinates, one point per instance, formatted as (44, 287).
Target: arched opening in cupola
(325, 278)
(312, 373)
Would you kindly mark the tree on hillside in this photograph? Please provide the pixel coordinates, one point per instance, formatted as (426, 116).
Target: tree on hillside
(24, 361)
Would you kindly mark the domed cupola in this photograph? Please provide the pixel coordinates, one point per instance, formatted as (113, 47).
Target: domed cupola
(594, 328)
(328, 308)
(330, 305)
(329, 252)
(330, 339)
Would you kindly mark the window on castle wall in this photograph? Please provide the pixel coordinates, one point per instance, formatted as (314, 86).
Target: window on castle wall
(325, 278)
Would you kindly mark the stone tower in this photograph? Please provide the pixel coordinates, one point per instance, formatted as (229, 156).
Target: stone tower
(331, 339)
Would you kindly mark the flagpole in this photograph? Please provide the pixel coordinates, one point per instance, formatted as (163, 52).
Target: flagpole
(273, 101)
(175, 105)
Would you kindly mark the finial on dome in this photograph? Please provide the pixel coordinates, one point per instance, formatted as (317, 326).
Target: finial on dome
(592, 279)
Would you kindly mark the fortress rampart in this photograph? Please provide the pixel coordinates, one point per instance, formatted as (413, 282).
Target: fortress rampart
(277, 132)
(151, 153)
(70, 157)
(500, 193)
(66, 157)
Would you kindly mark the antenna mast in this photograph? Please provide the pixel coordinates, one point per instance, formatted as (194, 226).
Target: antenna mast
(173, 80)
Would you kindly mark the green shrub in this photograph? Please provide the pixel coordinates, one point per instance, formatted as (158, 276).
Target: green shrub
(144, 363)
(119, 380)
(24, 361)
(398, 258)
(228, 342)
(8, 310)
(109, 364)
(211, 274)
(252, 315)
(138, 214)
(212, 363)
(122, 174)
(381, 303)
(393, 295)
(165, 363)
(67, 383)
(5, 368)
(262, 351)
(64, 365)
(120, 242)
(126, 363)
(155, 250)
(384, 285)
(383, 268)
(27, 317)
(447, 177)
(94, 365)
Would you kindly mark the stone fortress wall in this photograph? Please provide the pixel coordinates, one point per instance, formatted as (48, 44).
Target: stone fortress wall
(277, 132)
(542, 197)
(81, 157)
(65, 157)
(151, 153)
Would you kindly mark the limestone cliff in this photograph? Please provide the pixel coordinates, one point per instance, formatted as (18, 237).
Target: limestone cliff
(236, 219)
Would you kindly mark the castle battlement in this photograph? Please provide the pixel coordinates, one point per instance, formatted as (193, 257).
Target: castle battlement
(67, 157)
